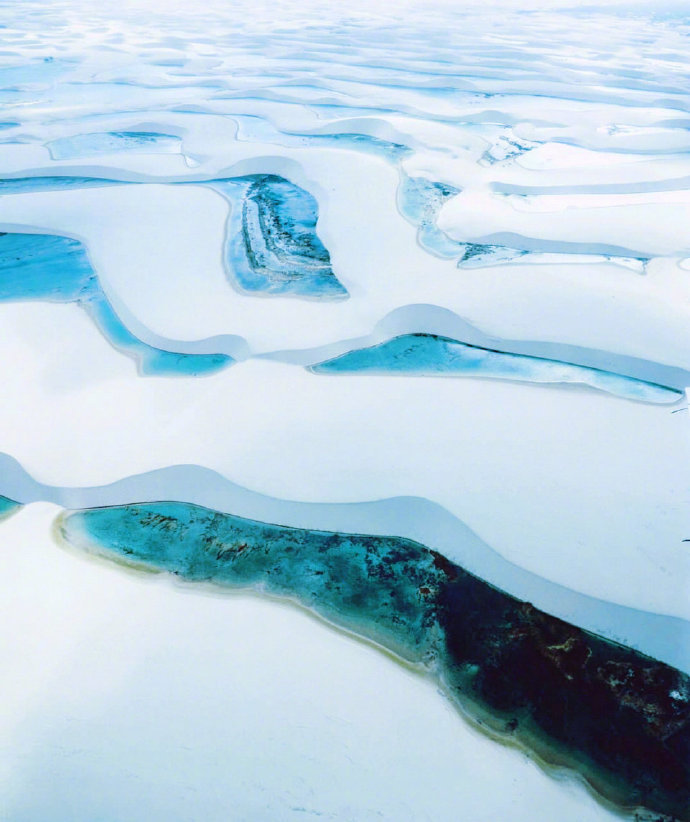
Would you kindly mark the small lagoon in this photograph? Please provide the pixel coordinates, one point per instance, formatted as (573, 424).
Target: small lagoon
(434, 356)
(57, 269)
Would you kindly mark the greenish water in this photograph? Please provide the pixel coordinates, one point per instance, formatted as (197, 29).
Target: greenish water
(617, 717)
(8, 507)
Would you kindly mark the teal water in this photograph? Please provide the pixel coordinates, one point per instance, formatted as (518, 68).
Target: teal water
(619, 718)
(272, 247)
(258, 129)
(57, 269)
(430, 355)
(24, 185)
(8, 507)
(365, 143)
(152, 361)
(328, 572)
(85, 145)
(476, 255)
(420, 201)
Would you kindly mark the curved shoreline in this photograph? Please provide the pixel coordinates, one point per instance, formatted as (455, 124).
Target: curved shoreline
(417, 318)
(665, 637)
(618, 718)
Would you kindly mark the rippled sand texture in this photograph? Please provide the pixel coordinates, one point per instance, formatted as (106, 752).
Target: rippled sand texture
(415, 271)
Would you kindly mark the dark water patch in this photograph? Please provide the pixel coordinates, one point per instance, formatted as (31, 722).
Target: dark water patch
(622, 720)
(618, 718)
(666, 638)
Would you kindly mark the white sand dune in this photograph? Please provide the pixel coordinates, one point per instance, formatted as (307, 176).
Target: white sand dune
(127, 698)
(559, 132)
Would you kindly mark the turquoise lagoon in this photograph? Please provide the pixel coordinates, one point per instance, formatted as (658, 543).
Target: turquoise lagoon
(57, 269)
(431, 355)
(612, 714)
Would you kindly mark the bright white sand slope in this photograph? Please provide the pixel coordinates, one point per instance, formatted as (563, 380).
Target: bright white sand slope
(126, 697)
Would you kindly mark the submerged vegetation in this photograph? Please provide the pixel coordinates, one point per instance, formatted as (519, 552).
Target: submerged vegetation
(272, 246)
(615, 716)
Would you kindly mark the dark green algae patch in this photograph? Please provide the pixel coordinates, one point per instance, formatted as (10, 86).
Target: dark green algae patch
(618, 718)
